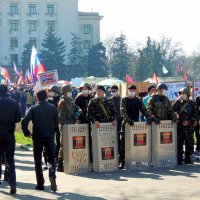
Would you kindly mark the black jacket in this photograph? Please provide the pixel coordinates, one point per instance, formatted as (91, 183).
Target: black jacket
(9, 114)
(44, 117)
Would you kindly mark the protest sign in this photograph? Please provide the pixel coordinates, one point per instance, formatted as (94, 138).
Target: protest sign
(196, 89)
(48, 78)
(173, 89)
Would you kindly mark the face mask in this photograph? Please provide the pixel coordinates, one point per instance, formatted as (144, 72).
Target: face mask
(85, 91)
(164, 92)
(185, 97)
(52, 94)
(132, 94)
(114, 94)
(69, 94)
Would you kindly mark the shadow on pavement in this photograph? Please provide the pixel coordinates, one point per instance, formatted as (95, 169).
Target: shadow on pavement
(152, 173)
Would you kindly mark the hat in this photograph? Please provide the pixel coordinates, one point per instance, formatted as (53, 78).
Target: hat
(114, 87)
(101, 87)
(151, 87)
(3, 89)
(132, 87)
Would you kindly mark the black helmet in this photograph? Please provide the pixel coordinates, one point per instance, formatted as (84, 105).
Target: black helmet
(162, 86)
(185, 90)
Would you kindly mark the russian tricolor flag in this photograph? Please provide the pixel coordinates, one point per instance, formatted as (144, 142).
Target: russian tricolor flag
(15, 69)
(36, 66)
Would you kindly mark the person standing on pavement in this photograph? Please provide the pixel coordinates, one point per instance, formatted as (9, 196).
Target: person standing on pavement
(69, 113)
(130, 108)
(101, 109)
(54, 99)
(82, 101)
(115, 97)
(44, 117)
(196, 129)
(187, 113)
(9, 115)
(159, 106)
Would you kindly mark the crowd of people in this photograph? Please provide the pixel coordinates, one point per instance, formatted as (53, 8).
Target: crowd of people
(49, 110)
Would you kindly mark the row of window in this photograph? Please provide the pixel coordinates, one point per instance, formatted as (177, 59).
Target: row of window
(33, 41)
(14, 41)
(14, 24)
(32, 8)
(32, 25)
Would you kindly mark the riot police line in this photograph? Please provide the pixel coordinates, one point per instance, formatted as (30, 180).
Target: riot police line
(97, 133)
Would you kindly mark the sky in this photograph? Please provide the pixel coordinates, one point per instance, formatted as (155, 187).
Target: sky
(138, 19)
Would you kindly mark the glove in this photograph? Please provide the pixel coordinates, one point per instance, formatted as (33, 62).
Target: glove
(130, 122)
(157, 121)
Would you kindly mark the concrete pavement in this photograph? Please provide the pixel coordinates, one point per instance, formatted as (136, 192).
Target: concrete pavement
(182, 182)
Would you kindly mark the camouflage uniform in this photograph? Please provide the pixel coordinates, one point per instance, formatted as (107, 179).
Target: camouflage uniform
(67, 110)
(130, 108)
(96, 113)
(160, 108)
(185, 133)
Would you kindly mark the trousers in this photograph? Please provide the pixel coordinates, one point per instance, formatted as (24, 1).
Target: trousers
(38, 145)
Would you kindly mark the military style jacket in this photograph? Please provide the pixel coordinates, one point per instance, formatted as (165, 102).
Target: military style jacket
(66, 110)
(160, 108)
(130, 109)
(189, 113)
(95, 111)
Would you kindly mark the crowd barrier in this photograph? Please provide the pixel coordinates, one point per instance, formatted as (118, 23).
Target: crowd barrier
(76, 148)
(138, 146)
(105, 148)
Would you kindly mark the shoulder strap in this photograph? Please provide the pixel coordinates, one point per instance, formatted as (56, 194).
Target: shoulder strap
(104, 109)
(183, 108)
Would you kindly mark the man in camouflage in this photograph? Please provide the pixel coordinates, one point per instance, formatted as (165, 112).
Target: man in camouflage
(101, 109)
(130, 108)
(159, 106)
(187, 112)
(68, 114)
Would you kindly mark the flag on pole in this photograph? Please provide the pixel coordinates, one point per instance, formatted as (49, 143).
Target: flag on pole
(180, 68)
(185, 77)
(15, 69)
(164, 70)
(129, 79)
(5, 74)
(35, 65)
(155, 78)
(26, 76)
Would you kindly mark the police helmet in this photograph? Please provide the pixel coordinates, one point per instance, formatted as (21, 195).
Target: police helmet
(54, 88)
(66, 88)
(162, 86)
(184, 90)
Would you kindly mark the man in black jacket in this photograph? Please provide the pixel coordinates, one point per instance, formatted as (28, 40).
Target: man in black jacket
(9, 115)
(45, 118)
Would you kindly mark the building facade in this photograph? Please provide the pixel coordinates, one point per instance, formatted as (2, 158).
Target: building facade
(23, 21)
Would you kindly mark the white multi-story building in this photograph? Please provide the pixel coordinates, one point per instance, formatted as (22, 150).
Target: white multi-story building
(23, 21)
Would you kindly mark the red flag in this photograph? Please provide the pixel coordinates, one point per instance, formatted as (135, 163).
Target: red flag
(129, 79)
(185, 76)
(155, 78)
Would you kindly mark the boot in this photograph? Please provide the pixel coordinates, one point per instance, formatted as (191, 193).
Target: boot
(60, 166)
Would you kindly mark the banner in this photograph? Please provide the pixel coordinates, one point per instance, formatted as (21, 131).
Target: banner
(48, 78)
(196, 89)
(173, 89)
